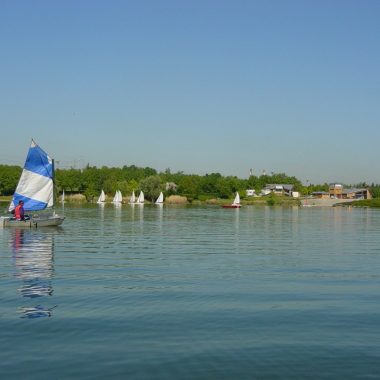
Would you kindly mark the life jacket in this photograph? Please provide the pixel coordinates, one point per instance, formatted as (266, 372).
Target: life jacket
(18, 212)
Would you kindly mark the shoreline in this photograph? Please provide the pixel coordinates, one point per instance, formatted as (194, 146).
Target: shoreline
(259, 201)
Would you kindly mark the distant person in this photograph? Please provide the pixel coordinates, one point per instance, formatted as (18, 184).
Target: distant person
(19, 211)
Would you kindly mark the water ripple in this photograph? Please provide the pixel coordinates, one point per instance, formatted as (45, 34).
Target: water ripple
(193, 292)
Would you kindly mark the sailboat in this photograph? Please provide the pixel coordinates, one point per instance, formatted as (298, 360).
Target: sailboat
(63, 196)
(36, 189)
(160, 199)
(235, 203)
(132, 199)
(118, 198)
(102, 197)
(140, 199)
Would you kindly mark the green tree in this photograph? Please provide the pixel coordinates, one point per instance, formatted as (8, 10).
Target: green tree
(151, 186)
(9, 176)
(223, 188)
(189, 186)
(90, 193)
(68, 179)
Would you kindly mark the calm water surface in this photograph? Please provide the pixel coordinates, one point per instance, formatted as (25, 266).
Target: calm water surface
(193, 293)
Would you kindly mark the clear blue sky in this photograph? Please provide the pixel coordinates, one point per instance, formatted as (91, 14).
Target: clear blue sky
(199, 86)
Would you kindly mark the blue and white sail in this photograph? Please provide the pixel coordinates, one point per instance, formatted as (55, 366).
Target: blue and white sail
(35, 186)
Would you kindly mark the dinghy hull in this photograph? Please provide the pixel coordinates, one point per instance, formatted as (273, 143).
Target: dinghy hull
(48, 221)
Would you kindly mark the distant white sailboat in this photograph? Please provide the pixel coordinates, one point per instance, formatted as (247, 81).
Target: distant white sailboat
(235, 203)
(160, 199)
(63, 197)
(132, 199)
(118, 198)
(140, 199)
(102, 197)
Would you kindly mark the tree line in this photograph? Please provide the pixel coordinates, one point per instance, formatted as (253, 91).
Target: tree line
(91, 180)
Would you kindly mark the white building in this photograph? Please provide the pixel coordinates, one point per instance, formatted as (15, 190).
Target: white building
(280, 189)
(251, 193)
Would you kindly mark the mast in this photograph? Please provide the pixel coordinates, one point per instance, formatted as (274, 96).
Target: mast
(53, 178)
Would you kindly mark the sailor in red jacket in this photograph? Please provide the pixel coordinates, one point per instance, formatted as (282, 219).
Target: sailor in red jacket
(19, 211)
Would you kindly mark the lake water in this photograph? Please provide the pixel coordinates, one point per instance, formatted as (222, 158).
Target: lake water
(193, 293)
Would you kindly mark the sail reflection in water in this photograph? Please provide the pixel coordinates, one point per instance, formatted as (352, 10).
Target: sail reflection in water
(33, 259)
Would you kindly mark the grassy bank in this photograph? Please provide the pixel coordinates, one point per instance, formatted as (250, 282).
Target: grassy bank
(373, 203)
(175, 199)
(272, 201)
(256, 201)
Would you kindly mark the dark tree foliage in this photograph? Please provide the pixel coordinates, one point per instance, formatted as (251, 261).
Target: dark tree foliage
(9, 176)
(375, 190)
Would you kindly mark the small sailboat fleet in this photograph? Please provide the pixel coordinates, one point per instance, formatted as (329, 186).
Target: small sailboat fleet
(118, 198)
(141, 199)
(34, 193)
(137, 201)
(235, 203)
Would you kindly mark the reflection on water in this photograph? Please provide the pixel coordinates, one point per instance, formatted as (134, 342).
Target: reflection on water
(118, 214)
(33, 262)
